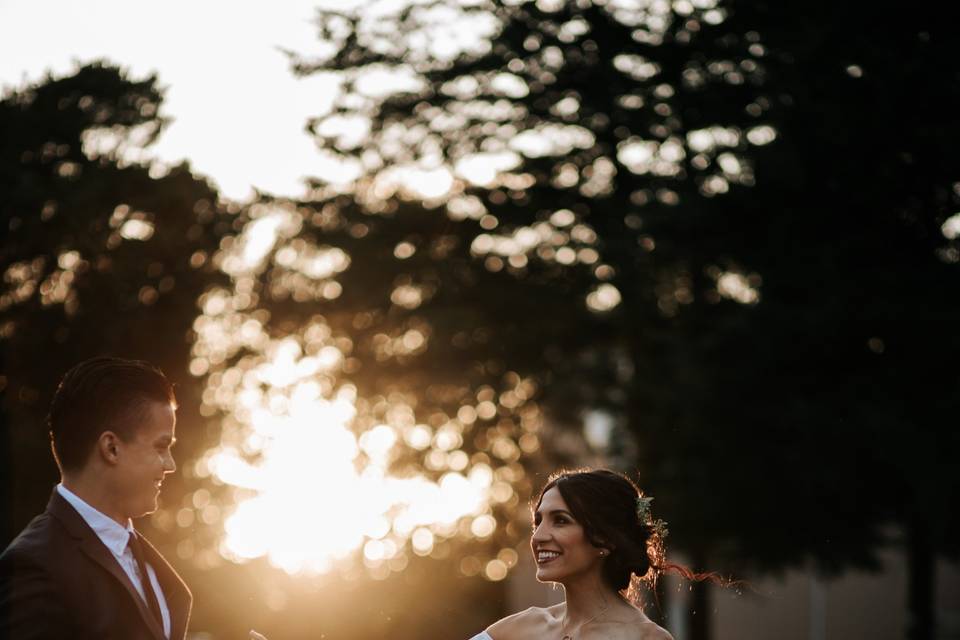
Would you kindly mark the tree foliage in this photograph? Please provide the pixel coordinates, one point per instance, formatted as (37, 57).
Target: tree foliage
(103, 251)
(728, 227)
(771, 199)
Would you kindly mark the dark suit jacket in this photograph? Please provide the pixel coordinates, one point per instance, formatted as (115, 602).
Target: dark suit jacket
(58, 580)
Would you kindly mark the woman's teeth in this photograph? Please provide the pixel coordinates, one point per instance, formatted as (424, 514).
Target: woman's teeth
(547, 556)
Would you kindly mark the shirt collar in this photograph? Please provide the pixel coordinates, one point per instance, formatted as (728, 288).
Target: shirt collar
(114, 536)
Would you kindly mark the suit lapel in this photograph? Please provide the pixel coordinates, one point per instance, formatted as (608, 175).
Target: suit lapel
(92, 547)
(175, 590)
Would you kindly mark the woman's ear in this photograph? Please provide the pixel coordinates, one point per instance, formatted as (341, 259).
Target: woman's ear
(604, 545)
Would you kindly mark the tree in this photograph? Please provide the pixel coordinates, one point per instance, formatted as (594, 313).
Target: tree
(871, 145)
(104, 252)
(700, 150)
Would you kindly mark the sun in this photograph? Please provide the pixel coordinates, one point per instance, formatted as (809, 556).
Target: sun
(312, 500)
(308, 466)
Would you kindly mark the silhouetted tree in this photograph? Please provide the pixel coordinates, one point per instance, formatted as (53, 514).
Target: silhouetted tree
(103, 253)
(755, 201)
(863, 247)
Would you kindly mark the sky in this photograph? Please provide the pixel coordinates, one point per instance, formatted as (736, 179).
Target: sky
(238, 112)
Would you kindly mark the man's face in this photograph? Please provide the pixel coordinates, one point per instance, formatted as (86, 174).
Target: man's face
(144, 460)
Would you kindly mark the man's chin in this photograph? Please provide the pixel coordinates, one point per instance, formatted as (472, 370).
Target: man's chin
(145, 508)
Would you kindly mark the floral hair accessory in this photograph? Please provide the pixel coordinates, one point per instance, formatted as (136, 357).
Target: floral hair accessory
(658, 527)
(643, 509)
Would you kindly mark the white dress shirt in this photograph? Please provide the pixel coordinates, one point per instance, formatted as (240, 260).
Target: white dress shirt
(116, 538)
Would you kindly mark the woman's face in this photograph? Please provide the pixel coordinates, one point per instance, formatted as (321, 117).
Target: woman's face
(560, 546)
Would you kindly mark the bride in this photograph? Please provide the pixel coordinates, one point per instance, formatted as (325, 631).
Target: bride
(594, 535)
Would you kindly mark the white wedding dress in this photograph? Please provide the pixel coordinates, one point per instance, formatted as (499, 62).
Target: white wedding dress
(482, 636)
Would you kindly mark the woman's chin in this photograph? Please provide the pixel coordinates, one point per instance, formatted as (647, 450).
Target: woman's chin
(548, 574)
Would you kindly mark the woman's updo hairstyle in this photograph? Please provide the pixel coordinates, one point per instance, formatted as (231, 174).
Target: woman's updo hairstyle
(605, 503)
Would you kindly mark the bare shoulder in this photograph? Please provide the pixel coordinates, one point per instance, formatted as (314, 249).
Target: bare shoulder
(634, 629)
(529, 623)
(646, 630)
(653, 631)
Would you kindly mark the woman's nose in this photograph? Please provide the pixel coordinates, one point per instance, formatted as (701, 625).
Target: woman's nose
(541, 533)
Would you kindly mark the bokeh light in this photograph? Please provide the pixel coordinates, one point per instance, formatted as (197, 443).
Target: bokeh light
(310, 475)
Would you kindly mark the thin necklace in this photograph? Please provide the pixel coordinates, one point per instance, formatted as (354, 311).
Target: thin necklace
(569, 636)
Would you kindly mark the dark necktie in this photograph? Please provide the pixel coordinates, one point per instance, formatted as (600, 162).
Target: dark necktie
(150, 596)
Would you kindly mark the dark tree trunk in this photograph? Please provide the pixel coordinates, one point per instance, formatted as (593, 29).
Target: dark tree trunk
(921, 561)
(658, 604)
(700, 606)
(6, 466)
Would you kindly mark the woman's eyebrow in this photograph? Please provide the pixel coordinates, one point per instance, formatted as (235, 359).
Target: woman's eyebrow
(556, 512)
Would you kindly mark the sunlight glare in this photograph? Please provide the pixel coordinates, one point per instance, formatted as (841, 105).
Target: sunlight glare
(951, 227)
(603, 298)
(305, 476)
(427, 183)
(482, 169)
(314, 494)
(736, 286)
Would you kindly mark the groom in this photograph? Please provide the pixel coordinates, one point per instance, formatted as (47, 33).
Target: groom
(80, 570)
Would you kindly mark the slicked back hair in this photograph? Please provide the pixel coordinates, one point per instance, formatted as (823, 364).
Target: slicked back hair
(102, 394)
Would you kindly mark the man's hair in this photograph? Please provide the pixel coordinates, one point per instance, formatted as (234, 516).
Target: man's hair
(102, 394)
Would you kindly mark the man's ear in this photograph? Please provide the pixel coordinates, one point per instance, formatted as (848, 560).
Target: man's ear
(108, 446)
